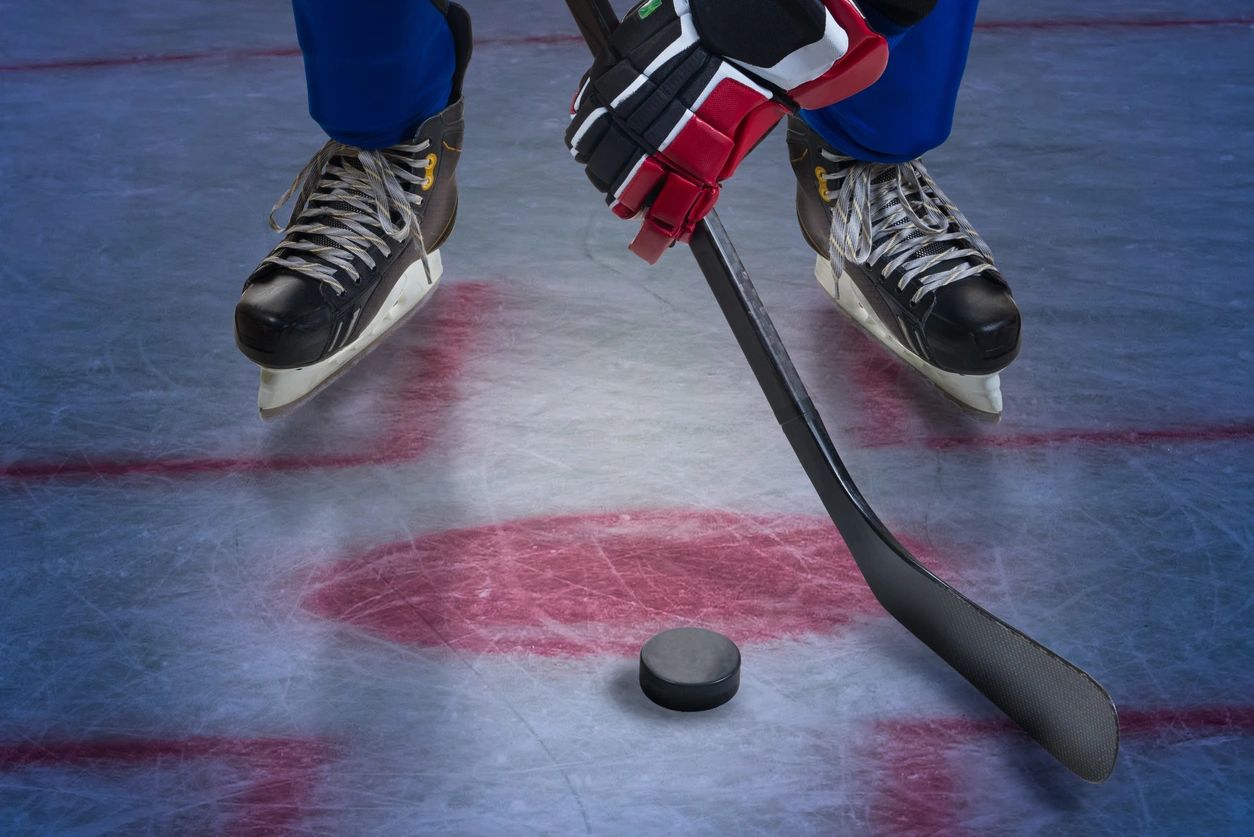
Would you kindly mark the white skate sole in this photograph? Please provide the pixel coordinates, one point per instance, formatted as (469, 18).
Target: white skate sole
(283, 390)
(981, 393)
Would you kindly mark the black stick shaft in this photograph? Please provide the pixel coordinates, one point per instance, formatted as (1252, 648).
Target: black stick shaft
(1055, 702)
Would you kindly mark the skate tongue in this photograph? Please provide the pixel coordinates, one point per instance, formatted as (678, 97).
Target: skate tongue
(328, 212)
(925, 209)
(931, 248)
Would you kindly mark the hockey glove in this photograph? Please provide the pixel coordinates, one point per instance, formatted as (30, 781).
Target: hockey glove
(687, 88)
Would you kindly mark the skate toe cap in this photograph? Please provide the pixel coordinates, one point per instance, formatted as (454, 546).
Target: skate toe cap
(282, 321)
(973, 327)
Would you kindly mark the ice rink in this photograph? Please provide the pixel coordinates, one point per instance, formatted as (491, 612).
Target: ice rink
(413, 606)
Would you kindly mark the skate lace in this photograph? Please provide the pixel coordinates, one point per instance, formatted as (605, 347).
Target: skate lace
(349, 200)
(897, 213)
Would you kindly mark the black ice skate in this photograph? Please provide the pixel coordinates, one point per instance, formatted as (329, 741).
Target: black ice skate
(360, 252)
(905, 264)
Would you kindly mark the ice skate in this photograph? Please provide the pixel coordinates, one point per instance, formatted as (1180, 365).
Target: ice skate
(359, 256)
(905, 264)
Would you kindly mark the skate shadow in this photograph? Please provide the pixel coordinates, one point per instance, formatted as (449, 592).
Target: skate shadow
(349, 470)
(393, 404)
(877, 398)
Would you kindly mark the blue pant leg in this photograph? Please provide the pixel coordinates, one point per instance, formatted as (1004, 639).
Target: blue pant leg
(375, 68)
(910, 110)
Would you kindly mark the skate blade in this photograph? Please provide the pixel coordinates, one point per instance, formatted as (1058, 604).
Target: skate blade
(283, 390)
(978, 393)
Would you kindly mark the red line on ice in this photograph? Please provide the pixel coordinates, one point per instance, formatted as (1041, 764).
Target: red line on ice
(282, 772)
(1239, 432)
(917, 787)
(448, 333)
(1117, 23)
(105, 61)
(603, 583)
(893, 404)
(99, 62)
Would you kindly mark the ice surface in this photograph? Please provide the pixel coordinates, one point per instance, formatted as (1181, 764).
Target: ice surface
(411, 606)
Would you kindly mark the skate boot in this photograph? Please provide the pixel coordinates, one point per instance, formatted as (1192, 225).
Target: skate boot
(360, 252)
(905, 264)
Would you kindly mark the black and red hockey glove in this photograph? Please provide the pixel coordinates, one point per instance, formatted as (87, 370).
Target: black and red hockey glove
(687, 88)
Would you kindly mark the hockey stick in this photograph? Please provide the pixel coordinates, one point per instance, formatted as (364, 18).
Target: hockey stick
(1064, 709)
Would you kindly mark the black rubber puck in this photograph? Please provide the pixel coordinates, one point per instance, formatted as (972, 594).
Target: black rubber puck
(689, 669)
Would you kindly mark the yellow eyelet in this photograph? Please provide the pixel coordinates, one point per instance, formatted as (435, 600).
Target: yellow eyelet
(820, 175)
(429, 164)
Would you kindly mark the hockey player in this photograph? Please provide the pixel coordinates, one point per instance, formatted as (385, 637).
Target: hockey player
(688, 87)
(360, 252)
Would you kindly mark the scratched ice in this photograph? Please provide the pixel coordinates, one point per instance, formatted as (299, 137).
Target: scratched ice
(411, 607)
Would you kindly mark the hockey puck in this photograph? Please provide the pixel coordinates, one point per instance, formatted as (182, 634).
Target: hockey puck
(689, 669)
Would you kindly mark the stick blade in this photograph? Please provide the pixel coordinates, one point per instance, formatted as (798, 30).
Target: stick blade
(1064, 709)
(1057, 703)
